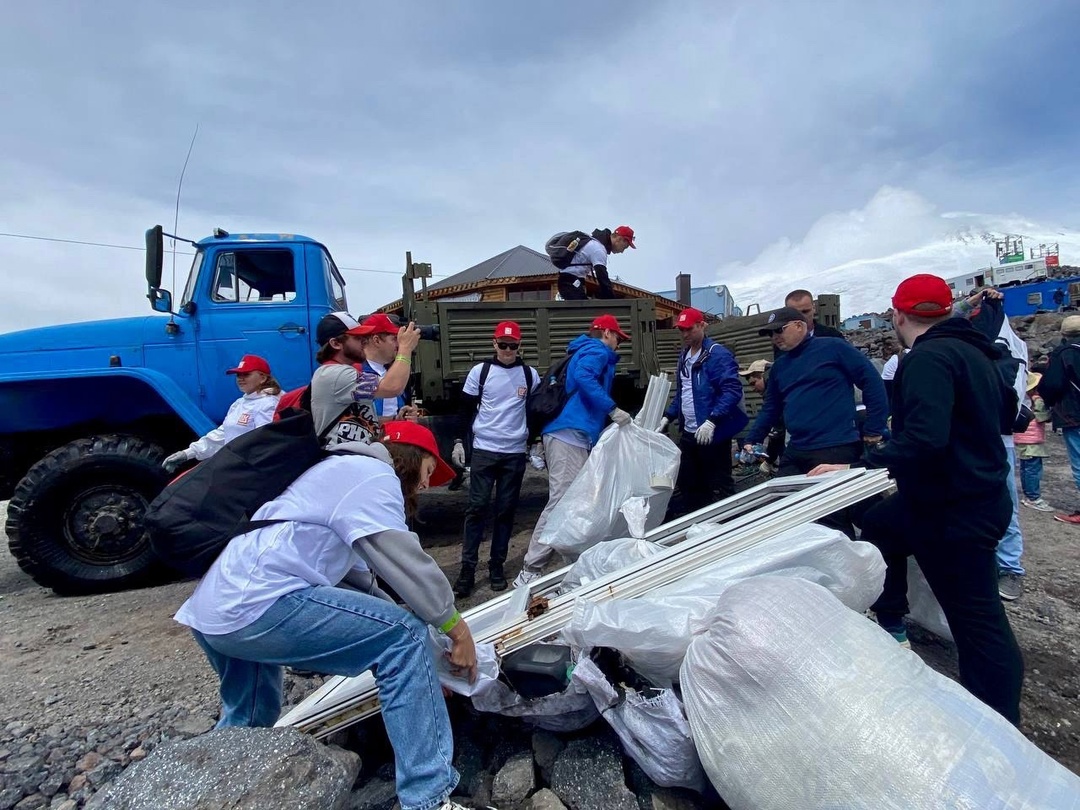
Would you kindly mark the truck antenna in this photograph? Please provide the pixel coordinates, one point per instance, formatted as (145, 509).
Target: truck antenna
(176, 213)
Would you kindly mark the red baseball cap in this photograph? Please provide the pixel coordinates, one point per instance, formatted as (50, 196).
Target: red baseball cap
(377, 324)
(923, 289)
(403, 431)
(626, 232)
(609, 322)
(508, 329)
(250, 362)
(689, 317)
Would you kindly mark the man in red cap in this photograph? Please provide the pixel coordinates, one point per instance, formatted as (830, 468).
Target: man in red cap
(493, 412)
(569, 437)
(952, 504)
(590, 255)
(379, 341)
(709, 407)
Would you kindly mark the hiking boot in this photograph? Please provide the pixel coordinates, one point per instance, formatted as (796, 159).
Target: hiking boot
(465, 582)
(1037, 504)
(496, 577)
(1074, 518)
(1010, 586)
(525, 577)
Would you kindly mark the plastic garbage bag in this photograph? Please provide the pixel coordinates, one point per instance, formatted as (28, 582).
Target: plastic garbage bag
(606, 557)
(797, 702)
(627, 462)
(652, 728)
(653, 631)
(635, 512)
(487, 670)
(923, 607)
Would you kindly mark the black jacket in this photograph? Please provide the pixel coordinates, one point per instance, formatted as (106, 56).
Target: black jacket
(948, 406)
(821, 330)
(1058, 384)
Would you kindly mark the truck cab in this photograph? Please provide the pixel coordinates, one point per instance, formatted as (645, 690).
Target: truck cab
(89, 410)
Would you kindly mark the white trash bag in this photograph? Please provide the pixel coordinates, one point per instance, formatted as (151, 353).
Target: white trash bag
(653, 729)
(653, 631)
(487, 665)
(795, 701)
(923, 607)
(627, 462)
(604, 558)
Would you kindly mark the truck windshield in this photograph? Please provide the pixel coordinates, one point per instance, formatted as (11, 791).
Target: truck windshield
(193, 275)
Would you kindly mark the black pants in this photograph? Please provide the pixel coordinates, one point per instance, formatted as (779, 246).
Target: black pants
(954, 546)
(572, 288)
(503, 473)
(800, 462)
(704, 475)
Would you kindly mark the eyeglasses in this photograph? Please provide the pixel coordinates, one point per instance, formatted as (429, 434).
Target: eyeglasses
(507, 346)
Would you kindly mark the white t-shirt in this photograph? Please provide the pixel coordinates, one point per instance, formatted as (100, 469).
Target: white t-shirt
(500, 426)
(247, 413)
(686, 391)
(387, 407)
(331, 505)
(592, 252)
(337, 386)
(888, 371)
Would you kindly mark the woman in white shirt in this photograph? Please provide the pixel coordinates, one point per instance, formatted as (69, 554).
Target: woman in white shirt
(274, 598)
(260, 393)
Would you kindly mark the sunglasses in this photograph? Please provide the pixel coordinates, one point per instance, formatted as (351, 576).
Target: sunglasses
(505, 346)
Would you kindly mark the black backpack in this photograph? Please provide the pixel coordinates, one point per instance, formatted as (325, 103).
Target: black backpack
(549, 398)
(562, 247)
(196, 516)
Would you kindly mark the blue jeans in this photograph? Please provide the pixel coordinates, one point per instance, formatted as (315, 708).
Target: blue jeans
(1031, 477)
(1011, 545)
(1072, 445)
(343, 632)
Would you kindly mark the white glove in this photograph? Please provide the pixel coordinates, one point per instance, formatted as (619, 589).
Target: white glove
(663, 425)
(536, 457)
(620, 417)
(176, 459)
(705, 432)
(457, 455)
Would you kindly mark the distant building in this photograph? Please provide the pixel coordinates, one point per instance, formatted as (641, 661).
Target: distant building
(869, 320)
(713, 300)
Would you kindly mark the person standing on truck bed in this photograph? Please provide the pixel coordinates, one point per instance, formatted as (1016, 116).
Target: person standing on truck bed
(591, 256)
(708, 404)
(260, 394)
(493, 410)
(569, 437)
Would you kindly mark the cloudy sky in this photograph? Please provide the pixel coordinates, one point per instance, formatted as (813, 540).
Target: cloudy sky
(765, 145)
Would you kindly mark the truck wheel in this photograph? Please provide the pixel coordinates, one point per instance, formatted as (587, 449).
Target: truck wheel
(75, 521)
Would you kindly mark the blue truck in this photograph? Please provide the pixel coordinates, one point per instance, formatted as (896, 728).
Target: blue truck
(88, 411)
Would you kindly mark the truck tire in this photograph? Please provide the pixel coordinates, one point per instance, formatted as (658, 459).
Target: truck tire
(74, 522)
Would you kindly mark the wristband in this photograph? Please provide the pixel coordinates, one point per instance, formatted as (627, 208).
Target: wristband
(407, 361)
(450, 623)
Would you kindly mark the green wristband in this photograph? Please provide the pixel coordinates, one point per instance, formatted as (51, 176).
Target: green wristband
(451, 623)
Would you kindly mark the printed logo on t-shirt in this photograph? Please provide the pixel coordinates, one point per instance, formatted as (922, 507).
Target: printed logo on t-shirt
(522, 391)
(358, 424)
(244, 419)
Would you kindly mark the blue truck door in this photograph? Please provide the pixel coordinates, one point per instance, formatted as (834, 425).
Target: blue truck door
(256, 303)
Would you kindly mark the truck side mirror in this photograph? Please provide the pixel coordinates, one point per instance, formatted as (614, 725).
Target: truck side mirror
(160, 300)
(155, 249)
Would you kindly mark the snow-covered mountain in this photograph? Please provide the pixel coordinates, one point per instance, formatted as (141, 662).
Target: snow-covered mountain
(864, 254)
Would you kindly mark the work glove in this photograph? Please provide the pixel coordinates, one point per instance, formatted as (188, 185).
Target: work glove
(664, 422)
(457, 455)
(176, 459)
(620, 417)
(536, 456)
(704, 433)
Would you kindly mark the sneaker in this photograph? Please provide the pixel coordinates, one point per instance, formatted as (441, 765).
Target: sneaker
(1037, 504)
(496, 577)
(901, 637)
(525, 577)
(1010, 586)
(465, 582)
(1074, 518)
(450, 804)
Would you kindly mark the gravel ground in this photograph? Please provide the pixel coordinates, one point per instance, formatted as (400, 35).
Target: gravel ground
(89, 684)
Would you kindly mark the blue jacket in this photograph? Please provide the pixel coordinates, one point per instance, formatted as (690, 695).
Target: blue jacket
(588, 382)
(717, 389)
(810, 386)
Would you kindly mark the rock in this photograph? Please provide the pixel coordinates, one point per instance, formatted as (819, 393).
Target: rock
(9, 797)
(51, 785)
(544, 800)
(88, 762)
(514, 782)
(588, 775)
(668, 799)
(375, 794)
(35, 801)
(193, 726)
(238, 768)
(77, 783)
(66, 804)
(546, 747)
(103, 773)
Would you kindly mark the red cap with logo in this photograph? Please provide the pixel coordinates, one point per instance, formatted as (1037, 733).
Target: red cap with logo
(609, 322)
(403, 431)
(626, 232)
(689, 317)
(377, 324)
(508, 329)
(923, 289)
(250, 362)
